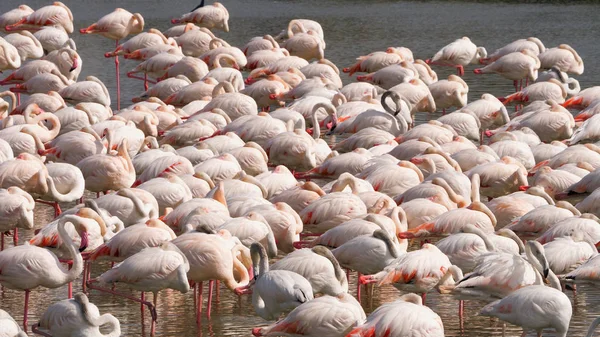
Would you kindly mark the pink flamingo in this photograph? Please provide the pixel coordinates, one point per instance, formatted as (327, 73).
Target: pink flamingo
(28, 267)
(116, 26)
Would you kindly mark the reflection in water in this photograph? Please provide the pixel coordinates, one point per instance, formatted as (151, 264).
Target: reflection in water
(352, 28)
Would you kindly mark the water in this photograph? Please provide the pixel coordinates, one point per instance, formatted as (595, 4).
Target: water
(352, 28)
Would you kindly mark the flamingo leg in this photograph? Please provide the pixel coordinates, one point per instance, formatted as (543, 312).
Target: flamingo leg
(146, 82)
(151, 307)
(118, 79)
(358, 287)
(2, 241)
(153, 326)
(423, 297)
(26, 309)
(218, 288)
(18, 98)
(16, 236)
(211, 285)
(199, 302)
(70, 287)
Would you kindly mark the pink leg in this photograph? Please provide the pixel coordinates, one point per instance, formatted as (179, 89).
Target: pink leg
(348, 275)
(2, 241)
(57, 210)
(423, 297)
(199, 302)
(443, 111)
(16, 236)
(26, 310)
(18, 98)
(70, 291)
(211, 285)
(146, 82)
(118, 80)
(516, 84)
(142, 300)
(358, 287)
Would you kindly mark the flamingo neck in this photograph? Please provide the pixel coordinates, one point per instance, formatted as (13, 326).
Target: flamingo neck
(77, 267)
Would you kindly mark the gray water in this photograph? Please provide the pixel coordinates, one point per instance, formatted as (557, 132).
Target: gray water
(352, 28)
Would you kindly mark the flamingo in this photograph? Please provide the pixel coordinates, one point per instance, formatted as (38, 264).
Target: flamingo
(458, 54)
(540, 91)
(367, 254)
(27, 267)
(27, 45)
(214, 16)
(333, 316)
(498, 274)
(67, 61)
(43, 83)
(514, 66)
(586, 272)
(275, 291)
(532, 43)
(213, 257)
(9, 58)
(539, 219)
(91, 90)
(57, 14)
(565, 254)
(134, 239)
(375, 61)
(105, 172)
(116, 26)
(14, 15)
(131, 205)
(74, 146)
(76, 317)
(17, 211)
(564, 57)
(405, 316)
(418, 270)
(534, 308)
(152, 269)
(449, 93)
(54, 38)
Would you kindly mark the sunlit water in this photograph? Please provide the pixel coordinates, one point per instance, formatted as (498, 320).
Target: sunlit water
(352, 28)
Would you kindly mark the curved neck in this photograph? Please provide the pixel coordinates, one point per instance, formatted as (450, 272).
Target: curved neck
(400, 220)
(451, 194)
(73, 194)
(13, 100)
(77, 267)
(260, 261)
(239, 267)
(137, 202)
(453, 271)
(489, 245)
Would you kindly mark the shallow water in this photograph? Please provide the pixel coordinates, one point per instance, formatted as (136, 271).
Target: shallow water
(352, 28)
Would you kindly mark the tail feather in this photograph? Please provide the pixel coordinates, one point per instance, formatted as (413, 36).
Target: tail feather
(102, 250)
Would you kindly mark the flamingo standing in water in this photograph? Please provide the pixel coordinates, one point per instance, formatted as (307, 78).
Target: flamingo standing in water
(407, 316)
(28, 267)
(57, 14)
(332, 316)
(116, 26)
(76, 317)
(535, 308)
(152, 269)
(458, 54)
(275, 291)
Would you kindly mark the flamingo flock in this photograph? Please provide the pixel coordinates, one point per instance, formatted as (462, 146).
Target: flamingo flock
(209, 174)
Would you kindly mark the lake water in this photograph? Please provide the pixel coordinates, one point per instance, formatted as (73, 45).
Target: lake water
(352, 28)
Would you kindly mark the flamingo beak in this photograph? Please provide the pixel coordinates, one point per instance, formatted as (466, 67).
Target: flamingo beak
(75, 64)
